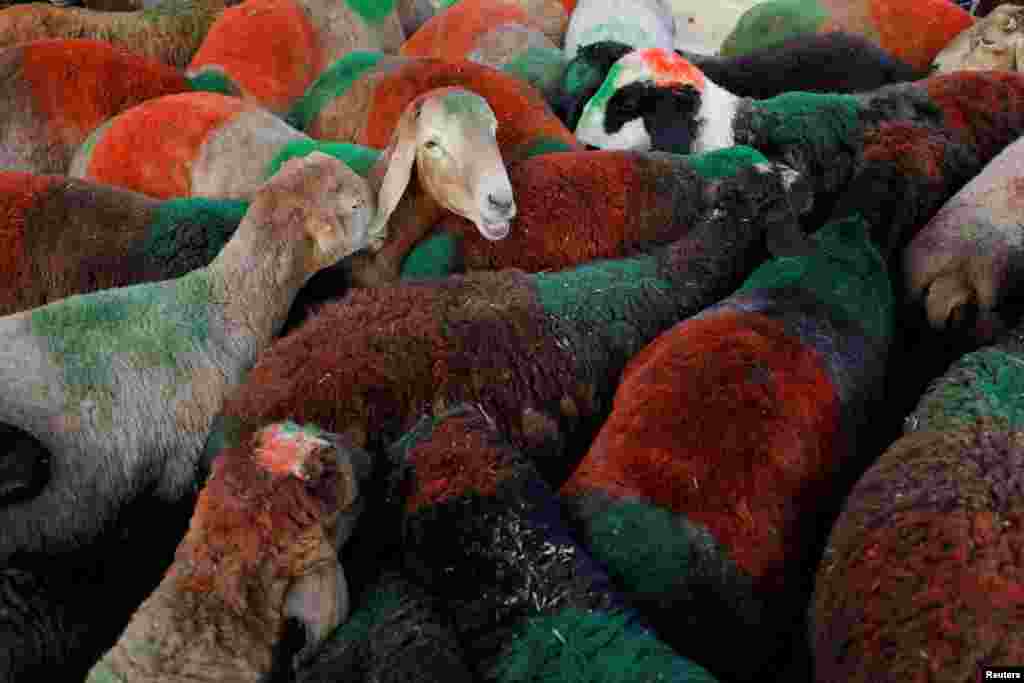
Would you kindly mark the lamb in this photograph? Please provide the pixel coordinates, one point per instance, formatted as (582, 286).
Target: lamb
(64, 237)
(257, 568)
(638, 23)
(914, 32)
(924, 558)
(484, 531)
(995, 42)
(120, 387)
(169, 32)
(188, 144)
(728, 436)
(968, 259)
(455, 32)
(50, 108)
(270, 51)
(360, 98)
(928, 137)
(539, 352)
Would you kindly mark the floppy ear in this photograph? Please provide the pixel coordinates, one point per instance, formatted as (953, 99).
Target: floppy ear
(319, 601)
(397, 159)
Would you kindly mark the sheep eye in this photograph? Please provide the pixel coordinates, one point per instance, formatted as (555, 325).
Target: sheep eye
(432, 145)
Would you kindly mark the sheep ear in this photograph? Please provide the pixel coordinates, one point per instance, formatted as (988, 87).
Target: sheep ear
(320, 602)
(398, 159)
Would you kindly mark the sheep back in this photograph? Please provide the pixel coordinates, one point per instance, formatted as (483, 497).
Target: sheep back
(351, 25)
(455, 32)
(575, 207)
(524, 53)
(485, 532)
(58, 91)
(360, 99)
(728, 432)
(925, 559)
(268, 49)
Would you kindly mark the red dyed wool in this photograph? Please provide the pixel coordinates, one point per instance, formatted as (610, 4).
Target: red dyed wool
(731, 421)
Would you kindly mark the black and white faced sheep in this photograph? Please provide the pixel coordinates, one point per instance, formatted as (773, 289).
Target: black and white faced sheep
(637, 23)
(257, 576)
(120, 387)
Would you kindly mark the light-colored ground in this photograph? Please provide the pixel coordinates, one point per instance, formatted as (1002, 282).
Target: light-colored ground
(702, 25)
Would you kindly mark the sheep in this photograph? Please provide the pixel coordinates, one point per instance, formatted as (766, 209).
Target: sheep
(524, 53)
(120, 387)
(484, 531)
(968, 258)
(576, 207)
(995, 42)
(921, 575)
(270, 51)
(914, 32)
(59, 91)
(64, 237)
(453, 33)
(637, 23)
(539, 352)
(257, 567)
(188, 144)
(831, 62)
(703, 489)
(360, 98)
(169, 32)
(938, 132)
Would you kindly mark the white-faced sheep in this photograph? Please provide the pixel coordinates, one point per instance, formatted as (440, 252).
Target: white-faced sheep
(56, 92)
(256, 584)
(120, 387)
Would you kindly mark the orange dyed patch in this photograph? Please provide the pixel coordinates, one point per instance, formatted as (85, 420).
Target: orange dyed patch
(78, 84)
(523, 116)
(732, 422)
(269, 48)
(917, 30)
(19, 192)
(453, 34)
(669, 68)
(915, 150)
(985, 108)
(150, 148)
(284, 448)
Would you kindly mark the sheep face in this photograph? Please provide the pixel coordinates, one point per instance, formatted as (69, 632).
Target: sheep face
(320, 200)
(995, 42)
(450, 134)
(655, 99)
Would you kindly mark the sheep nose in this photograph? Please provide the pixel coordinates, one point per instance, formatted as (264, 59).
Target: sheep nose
(502, 206)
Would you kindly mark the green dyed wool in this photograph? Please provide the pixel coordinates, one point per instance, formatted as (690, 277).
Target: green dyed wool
(213, 80)
(576, 646)
(541, 67)
(581, 75)
(986, 383)
(102, 673)
(436, 256)
(147, 325)
(357, 157)
(332, 83)
(847, 272)
(725, 163)
(822, 123)
(373, 11)
(770, 23)
(646, 549)
(368, 610)
(89, 144)
(543, 145)
(218, 217)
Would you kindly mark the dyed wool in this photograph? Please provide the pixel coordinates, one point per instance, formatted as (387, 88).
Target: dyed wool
(539, 352)
(359, 99)
(727, 441)
(49, 109)
(486, 534)
(921, 577)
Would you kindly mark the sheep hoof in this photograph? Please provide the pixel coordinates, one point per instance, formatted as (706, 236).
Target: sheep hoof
(24, 465)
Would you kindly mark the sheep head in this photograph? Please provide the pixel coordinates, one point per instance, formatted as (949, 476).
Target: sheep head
(267, 528)
(450, 134)
(994, 42)
(656, 99)
(316, 200)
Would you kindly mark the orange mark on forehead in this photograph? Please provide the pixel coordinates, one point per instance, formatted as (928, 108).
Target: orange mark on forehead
(283, 448)
(668, 68)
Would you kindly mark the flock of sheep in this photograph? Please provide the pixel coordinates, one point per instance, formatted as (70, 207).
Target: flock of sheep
(510, 340)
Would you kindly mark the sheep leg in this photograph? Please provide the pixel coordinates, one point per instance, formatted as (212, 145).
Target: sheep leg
(24, 465)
